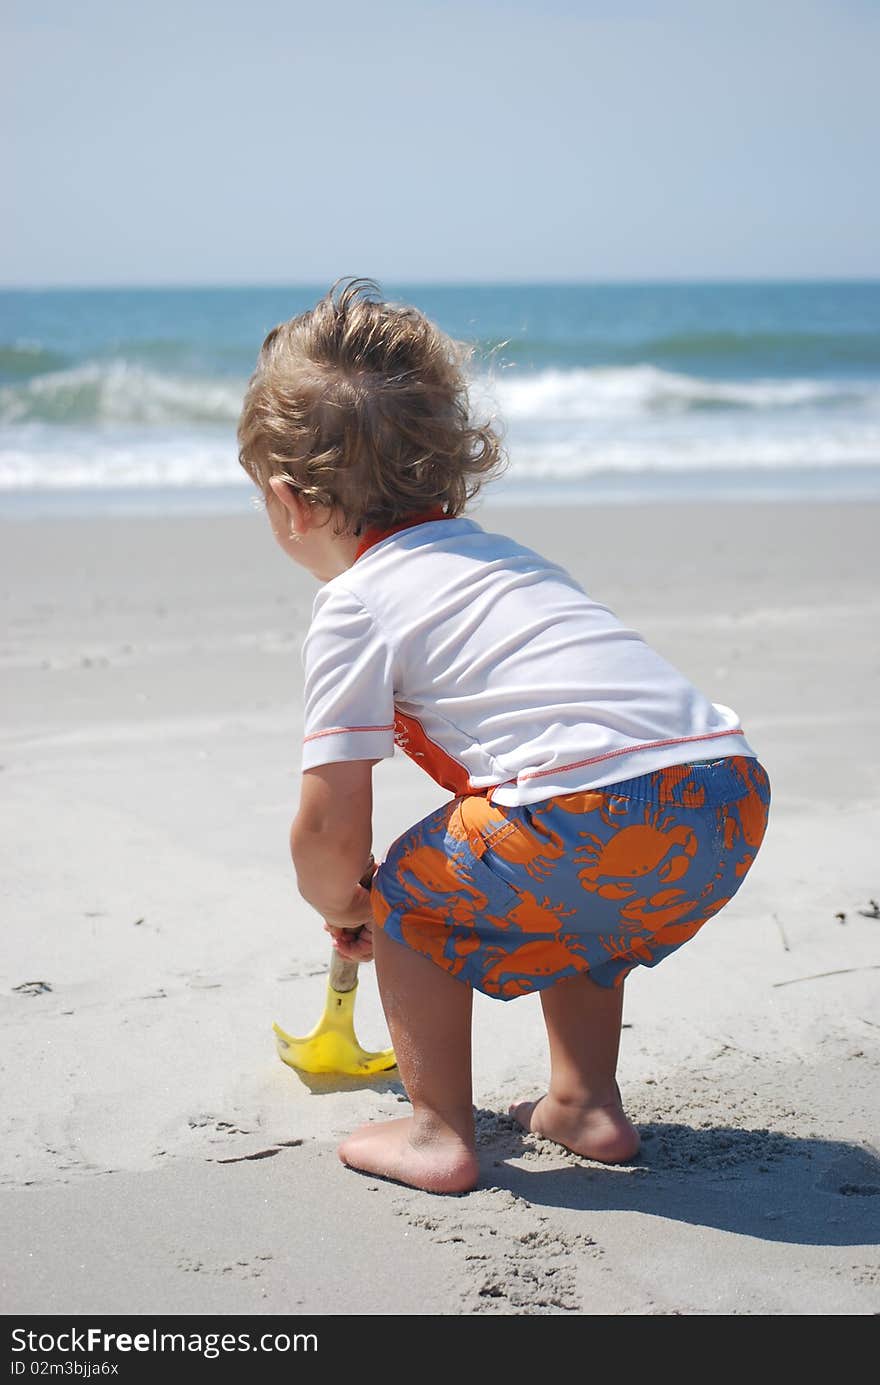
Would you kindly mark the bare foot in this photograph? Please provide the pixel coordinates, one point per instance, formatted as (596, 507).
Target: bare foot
(604, 1132)
(437, 1162)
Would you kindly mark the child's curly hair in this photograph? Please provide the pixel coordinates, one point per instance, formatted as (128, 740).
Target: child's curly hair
(362, 405)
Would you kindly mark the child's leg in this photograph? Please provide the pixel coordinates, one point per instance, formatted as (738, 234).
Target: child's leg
(429, 1019)
(582, 1109)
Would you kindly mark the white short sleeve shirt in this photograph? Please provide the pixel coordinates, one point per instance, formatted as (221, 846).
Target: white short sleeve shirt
(494, 670)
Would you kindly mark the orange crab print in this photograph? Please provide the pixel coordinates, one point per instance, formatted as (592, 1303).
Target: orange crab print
(591, 801)
(675, 777)
(532, 917)
(621, 948)
(656, 910)
(518, 971)
(421, 933)
(744, 824)
(635, 851)
(430, 872)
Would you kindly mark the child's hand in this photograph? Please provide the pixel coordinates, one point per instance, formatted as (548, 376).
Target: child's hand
(354, 944)
(356, 912)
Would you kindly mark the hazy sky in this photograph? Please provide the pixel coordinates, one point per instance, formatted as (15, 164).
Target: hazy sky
(206, 141)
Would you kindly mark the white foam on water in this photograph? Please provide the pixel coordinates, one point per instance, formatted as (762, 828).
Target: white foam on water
(193, 461)
(68, 460)
(636, 391)
(573, 459)
(120, 392)
(121, 426)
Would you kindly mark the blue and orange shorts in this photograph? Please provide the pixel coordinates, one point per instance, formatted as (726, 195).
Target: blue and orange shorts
(513, 899)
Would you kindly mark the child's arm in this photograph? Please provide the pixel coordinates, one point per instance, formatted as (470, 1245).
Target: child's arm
(330, 840)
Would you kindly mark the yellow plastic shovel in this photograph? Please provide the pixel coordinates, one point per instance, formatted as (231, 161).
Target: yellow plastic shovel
(332, 1045)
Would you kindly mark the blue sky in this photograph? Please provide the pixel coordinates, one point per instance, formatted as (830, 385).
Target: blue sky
(208, 142)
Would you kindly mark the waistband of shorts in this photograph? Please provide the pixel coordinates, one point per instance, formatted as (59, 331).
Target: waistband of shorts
(722, 781)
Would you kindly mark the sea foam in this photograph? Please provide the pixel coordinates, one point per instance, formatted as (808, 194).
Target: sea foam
(121, 392)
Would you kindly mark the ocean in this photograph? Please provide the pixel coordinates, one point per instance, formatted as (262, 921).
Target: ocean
(126, 400)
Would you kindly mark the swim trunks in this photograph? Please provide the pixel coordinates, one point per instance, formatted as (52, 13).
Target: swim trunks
(512, 899)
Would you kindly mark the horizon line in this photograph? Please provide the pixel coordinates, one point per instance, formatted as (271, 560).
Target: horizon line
(610, 282)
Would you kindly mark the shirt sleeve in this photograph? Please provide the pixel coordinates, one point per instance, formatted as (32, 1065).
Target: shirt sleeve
(349, 691)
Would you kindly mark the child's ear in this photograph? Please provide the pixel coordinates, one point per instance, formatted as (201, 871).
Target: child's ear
(283, 491)
(298, 512)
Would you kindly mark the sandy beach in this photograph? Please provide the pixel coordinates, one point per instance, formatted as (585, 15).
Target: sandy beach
(157, 1157)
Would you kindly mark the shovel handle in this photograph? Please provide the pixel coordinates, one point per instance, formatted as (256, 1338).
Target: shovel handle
(343, 974)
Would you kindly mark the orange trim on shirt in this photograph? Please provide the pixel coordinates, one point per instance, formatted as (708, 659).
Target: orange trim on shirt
(376, 533)
(625, 750)
(410, 736)
(344, 731)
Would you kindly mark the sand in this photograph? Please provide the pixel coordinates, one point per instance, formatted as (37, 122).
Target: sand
(158, 1158)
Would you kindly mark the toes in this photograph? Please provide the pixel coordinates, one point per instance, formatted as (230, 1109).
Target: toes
(351, 1150)
(522, 1112)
